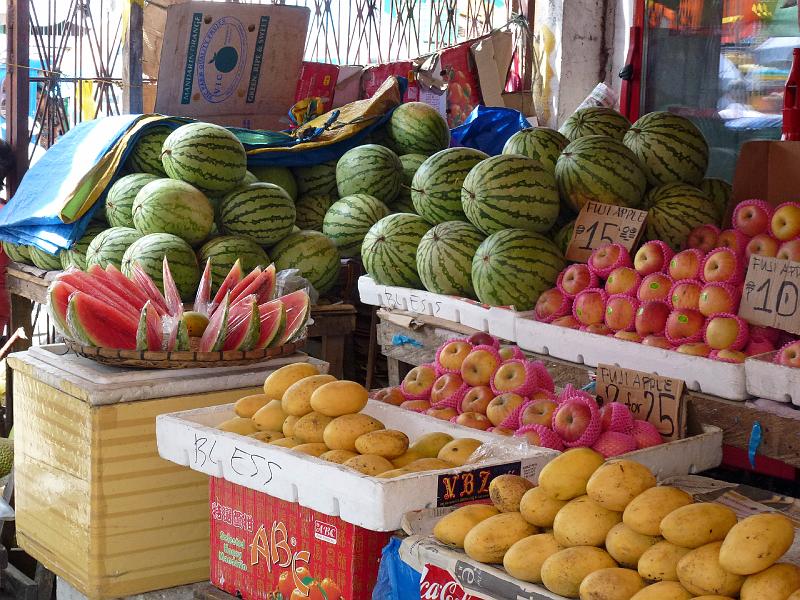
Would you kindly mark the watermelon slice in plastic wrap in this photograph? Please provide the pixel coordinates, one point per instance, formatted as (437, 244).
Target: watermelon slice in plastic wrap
(217, 329)
(244, 325)
(171, 293)
(144, 281)
(95, 323)
(262, 286)
(182, 337)
(297, 310)
(99, 289)
(148, 334)
(99, 275)
(268, 285)
(272, 316)
(125, 284)
(244, 283)
(202, 299)
(233, 277)
(57, 302)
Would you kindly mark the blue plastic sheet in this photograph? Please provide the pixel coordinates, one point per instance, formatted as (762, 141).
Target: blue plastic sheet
(488, 128)
(396, 579)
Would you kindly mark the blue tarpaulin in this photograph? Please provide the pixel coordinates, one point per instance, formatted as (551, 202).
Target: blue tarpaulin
(488, 128)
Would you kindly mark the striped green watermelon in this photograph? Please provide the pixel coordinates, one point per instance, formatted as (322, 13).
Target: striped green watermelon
(311, 210)
(249, 178)
(595, 120)
(313, 253)
(119, 200)
(563, 236)
(380, 136)
(370, 169)
(176, 207)
(444, 258)
(224, 252)
(602, 169)
(510, 191)
(76, 255)
(149, 252)
(389, 251)
(512, 267)
(19, 253)
(418, 128)
(411, 163)
(720, 192)
(436, 187)
(676, 209)
(145, 156)
(110, 246)
(261, 211)
(539, 143)
(44, 260)
(316, 180)
(208, 156)
(280, 176)
(349, 219)
(670, 148)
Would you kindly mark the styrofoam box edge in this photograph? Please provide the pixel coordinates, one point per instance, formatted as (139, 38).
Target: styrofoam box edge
(189, 438)
(726, 380)
(767, 380)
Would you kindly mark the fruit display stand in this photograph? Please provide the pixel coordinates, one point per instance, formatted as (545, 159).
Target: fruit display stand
(94, 502)
(765, 379)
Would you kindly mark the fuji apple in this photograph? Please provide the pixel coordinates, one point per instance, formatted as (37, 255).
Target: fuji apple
(652, 257)
(607, 258)
(445, 414)
(785, 223)
(628, 336)
(651, 318)
(614, 443)
(655, 286)
(721, 266)
(646, 434)
(758, 345)
(475, 420)
(479, 365)
(717, 298)
(686, 264)
(567, 321)
(452, 354)
(390, 395)
(481, 338)
(552, 303)
(509, 352)
(752, 217)
(726, 330)
(683, 325)
(538, 412)
(577, 423)
(789, 355)
(539, 435)
(616, 416)
(622, 280)
(790, 250)
(416, 405)
(590, 306)
(502, 406)
(657, 341)
(686, 294)
(448, 388)
(733, 239)
(621, 312)
(703, 237)
(763, 245)
(694, 349)
(501, 431)
(767, 333)
(597, 328)
(728, 355)
(418, 382)
(576, 278)
(514, 375)
(477, 399)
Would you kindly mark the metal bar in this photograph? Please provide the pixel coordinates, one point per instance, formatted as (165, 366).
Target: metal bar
(18, 53)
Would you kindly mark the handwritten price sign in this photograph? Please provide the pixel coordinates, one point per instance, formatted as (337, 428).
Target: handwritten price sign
(602, 224)
(650, 397)
(771, 295)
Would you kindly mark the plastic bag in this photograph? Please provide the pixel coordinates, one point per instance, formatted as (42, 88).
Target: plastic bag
(488, 128)
(396, 579)
(291, 280)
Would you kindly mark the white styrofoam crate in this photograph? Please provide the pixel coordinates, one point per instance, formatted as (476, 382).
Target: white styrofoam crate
(726, 380)
(765, 379)
(190, 438)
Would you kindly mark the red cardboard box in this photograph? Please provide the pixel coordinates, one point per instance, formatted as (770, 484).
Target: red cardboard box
(317, 80)
(375, 75)
(263, 548)
(463, 91)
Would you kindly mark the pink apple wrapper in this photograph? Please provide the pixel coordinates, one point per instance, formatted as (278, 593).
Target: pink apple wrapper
(638, 279)
(741, 240)
(454, 399)
(593, 282)
(530, 384)
(758, 345)
(624, 260)
(675, 285)
(710, 226)
(602, 293)
(545, 380)
(547, 437)
(649, 302)
(512, 420)
(634, 302)
(594, 427)
(714, 355)
(647, 280)
(779, 353)
(646, 434)
(621, 417)
(738, 271)
(440, 370)
(700, 257)
(666, 251)
(426, 395)
(677, 341)
(564, 309)
(516, 352)
(734, 291)
(744, 331)
(768, 333)
(765, 206)
(614, 443)
(528, 403)
(570, 391)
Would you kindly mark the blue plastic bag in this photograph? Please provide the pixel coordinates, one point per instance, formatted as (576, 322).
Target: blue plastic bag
(396, 579)
(487, 128)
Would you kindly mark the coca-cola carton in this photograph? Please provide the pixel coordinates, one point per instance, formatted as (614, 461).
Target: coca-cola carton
(439, 584)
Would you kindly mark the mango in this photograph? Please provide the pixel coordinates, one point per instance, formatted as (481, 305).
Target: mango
(660, 561)
(246, 407)
(611, 584)
(698, 524)
(626, 546)
(339, 398)
(540, 509)
(777, 581)
(279, 381)
(583, 522)
(699, 572)
(388, 443)
(270, 417)
(617, 482)
(338, 456)
(490, 539)
(393, 473)
(506, 491)
(287, 442)
(296, 400)
(565, 477)
(312, 449)
(369, 464)
(524, 559)
(342, 432)
(310, 427)
(238, 425)
(288, 425)
(452, 528)
(430, 444)
(663, 590)
(563, 572)
(645, 512)
(755, 543)
(458, 451)
(406, 458)
(427, 464)
(267, 436)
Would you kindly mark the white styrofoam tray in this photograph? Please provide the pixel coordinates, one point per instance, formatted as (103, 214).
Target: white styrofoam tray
(765, 379)
(726, 380)
(491, 319)
(189, 438)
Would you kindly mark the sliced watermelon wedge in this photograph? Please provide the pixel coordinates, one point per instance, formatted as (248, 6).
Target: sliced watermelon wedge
(273, 319)
(95, 323)
(214, 335)
(203, 297)
(244, 325)
(57, 302)
(171, 293)
(144, 281)
(182, 339)
(100, 289)
(233, 277)
(297, 310)
(244, 284)
(126, 285)
(148, 334)
(257, 286)
(268, 286)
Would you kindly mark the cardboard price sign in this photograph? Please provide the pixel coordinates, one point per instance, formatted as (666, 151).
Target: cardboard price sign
(602, 224)
(771, 294)
(650, 397)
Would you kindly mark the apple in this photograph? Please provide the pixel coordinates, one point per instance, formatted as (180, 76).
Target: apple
(538, 412)
(758, 345)
(761, 332)
(607, 258)
(509, 352)
(481, 338)
(540, 435)
(621, 312)
(717, 298)
(686, 294)
(622, 280)
(651, 318)
(502, 406)
(445, 387)
(790, 250)
(721, 265)
(418, 382)
(728, 355)
(590, 306)
(576, 423)
(789, 355)
(597, 328)
(445, 414)
(694, 349)
(628, 336)
(390, 395)
(686, 264)
(479, 366)
(752, 217)
(416, 405)
(453, 353)
(652, 257)
(542, 395)
(785, 224)
(477, 399)
(703, 237)
(763, 245)
(684, 325)
(655, 286)
(657, 341)
(576, 278)
(475, 420)
(551, 303)
(726, 330)
(514, 376)
(567, 321)
(616, 416)
(733, 239)
(501, 431)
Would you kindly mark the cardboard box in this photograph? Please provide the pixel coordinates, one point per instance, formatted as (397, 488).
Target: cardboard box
(232, 64)
(374, 76)
(348, 86)
(262, 546)
(766, 170)
(317, 80)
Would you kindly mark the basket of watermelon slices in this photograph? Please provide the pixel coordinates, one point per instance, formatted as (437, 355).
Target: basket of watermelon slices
(125, 321)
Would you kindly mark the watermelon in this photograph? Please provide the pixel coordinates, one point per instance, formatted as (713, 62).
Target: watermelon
(202, 299)
(410, 162)
(602, 169)
(118, 281)
(310, 210)
(348, 220)
(244, 325)
(313, 253)
(272, 316)
(214, 335)
(720, 192)
(119, 200)
(149, 333)
(145, 156)
(249, 178)
(170, 206)
(231, 280)
(58, 294)
(262, 286)
(444, 258)
(95, 323)
(670, 148)
(380, 136)
(226, 250)
(102, 289)
(18, 253)
(595, 120)
(418, 128)
(389, 251)
(205, 155)
(563, 236)
(44, 260)
(260, 211)
(436, 187)
(512, 267)
(181, 337)
(539, 143)
(510, 191)
(76, 255)
(146, 284)
(150, 251)
(280, 176)
(316, 180)
(297, 307)
(370, 169)
(109, 246)
(676, 209)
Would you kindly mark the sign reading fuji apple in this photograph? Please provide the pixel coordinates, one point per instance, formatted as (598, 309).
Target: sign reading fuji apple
(771, 293)
(602, 224)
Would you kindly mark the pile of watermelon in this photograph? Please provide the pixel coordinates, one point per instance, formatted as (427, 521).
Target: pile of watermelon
(101, 307)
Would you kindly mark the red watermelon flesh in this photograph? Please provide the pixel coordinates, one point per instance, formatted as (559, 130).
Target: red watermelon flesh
(203, 297)
(148, 334)
(95, 323)
(130, 288)
(214, 335)
(268, 287)
(244, 325)
(233, 277)
(244, 284)
(99, 289)
(273, 319)
(297, 308)
(173, 330)
(257, 286)
(171, 293)
(57, 301)
(144, 281)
